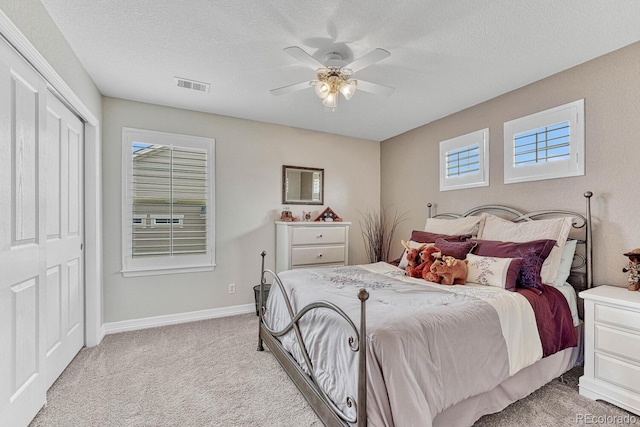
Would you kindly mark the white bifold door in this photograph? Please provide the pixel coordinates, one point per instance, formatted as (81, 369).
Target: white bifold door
(41, 238)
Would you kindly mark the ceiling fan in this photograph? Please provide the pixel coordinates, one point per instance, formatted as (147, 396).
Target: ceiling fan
(333, 78)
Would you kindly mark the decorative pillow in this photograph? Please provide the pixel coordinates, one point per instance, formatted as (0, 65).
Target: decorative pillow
(427, 237)
(403, 260)
(496, 228)
(532, 253)
(566, 261)
(457, 250)
(454, 227)
(493, 271)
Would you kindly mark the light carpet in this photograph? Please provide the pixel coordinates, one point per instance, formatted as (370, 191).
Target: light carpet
(209, 373)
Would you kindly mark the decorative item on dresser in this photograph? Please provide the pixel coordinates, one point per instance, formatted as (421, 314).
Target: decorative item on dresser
(311, 244)
(328, 215)
(612, 346)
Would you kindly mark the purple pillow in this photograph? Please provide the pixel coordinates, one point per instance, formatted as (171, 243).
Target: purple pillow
(427, 237)
(532, 253)
(457, 250)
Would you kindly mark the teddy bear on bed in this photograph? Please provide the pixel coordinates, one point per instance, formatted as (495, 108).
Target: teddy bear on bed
(429, 255)
(452, 271)
(415, 265)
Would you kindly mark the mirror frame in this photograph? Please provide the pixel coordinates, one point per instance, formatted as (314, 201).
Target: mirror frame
(286, 200)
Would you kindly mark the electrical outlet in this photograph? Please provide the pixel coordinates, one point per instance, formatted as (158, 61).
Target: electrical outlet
(232, 288)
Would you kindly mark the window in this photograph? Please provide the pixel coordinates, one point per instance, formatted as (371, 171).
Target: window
(168, 203)
(545, 145)
(464, 161)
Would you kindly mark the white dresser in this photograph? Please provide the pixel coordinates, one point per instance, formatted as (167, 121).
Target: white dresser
(612, 346)
(311, 244)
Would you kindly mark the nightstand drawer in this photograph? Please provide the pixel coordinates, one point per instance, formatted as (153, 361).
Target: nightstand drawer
(626, 319)
(317, 255)
(617, 372)
(617, 342)
(318, 235)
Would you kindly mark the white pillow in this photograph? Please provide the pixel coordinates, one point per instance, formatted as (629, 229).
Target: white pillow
(496, 228)
(454, 227)
(493, 271)
(566, 261)
(403, 261)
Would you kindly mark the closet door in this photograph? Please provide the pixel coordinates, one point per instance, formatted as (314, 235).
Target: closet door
(22, 240)
(41, 239)
(64, 234)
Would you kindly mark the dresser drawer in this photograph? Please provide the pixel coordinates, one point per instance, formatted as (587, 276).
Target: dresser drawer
(318, 235)
(626, 319)
(317, 255)
(617, 342)
(618, 372)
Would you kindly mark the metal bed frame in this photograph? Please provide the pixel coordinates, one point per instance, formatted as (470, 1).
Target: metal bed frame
(321, 403)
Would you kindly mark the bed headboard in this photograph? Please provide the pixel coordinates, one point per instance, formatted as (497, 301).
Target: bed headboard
(581, 277)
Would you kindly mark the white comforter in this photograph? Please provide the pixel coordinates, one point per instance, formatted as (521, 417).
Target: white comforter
(429, 346)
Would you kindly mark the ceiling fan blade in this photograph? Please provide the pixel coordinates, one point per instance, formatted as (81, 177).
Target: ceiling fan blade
(376, 88)
(368, 59)
(290, 88)
(304, 57)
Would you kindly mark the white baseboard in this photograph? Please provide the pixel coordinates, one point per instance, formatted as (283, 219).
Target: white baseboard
(174, 319)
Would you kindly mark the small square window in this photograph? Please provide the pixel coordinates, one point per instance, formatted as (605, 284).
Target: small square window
(464, 161)
(545, 145)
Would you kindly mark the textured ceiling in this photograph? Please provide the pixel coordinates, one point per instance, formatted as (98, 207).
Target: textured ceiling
(445, 55)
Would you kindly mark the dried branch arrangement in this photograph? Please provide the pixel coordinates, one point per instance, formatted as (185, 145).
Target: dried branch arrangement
(378, 229)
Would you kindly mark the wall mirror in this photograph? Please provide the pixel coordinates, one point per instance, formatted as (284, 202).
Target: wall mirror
(302, 186)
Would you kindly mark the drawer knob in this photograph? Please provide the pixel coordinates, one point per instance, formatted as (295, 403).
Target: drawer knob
(319, 236)
(320, 256)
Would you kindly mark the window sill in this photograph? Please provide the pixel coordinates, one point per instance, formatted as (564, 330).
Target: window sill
(165, 271)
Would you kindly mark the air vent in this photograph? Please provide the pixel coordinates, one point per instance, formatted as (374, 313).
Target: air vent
(192, 84)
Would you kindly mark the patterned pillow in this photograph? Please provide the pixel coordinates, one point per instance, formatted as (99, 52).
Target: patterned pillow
(496, 228)
(532, 253)
(493, 271)
(457, 250)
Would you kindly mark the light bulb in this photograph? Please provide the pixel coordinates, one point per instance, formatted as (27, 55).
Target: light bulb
(348, 88)
(331, 100)
(322, 89)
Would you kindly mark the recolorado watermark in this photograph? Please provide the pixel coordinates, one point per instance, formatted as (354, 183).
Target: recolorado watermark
(592, 419)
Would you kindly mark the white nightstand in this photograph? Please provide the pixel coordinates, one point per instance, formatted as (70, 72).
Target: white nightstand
(311, 244)
(612, 346)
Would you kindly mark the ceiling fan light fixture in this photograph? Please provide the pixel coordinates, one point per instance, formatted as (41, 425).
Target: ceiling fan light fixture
(322, 89)
(333, 78)
(348, 88)
(331, 100)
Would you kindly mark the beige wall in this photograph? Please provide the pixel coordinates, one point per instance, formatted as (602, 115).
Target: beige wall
(610, 86)
(249, 159)
(249, 156)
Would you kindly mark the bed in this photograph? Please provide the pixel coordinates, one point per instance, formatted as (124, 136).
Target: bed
(367, 345)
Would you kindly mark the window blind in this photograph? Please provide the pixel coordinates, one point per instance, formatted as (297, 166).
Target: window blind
(464, 160)
(542, 145)
(169, 188)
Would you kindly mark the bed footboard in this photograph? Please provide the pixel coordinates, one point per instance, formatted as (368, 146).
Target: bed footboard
(307, 383)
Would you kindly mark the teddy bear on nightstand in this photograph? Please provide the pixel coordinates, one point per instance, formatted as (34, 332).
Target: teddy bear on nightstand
(633, 267)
